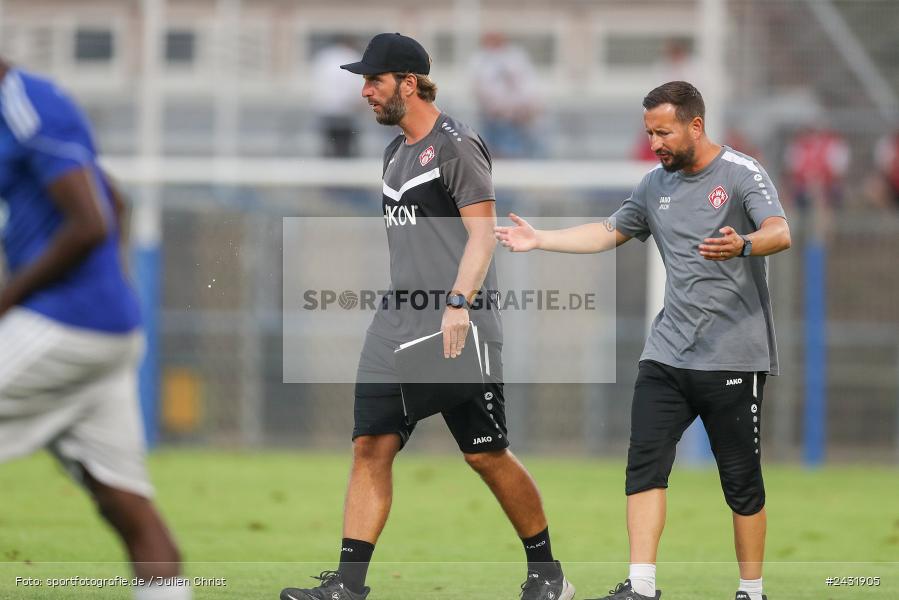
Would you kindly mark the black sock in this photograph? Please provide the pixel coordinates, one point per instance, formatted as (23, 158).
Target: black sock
(355, 556)
(540, 554)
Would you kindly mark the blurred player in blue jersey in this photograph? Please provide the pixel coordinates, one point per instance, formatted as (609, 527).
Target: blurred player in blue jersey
(70, 335)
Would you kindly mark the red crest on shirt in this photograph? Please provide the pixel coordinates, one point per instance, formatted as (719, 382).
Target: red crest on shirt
(718, 197)
(427, 156)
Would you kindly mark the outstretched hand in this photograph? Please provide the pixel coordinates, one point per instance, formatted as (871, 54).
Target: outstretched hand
(519, 238)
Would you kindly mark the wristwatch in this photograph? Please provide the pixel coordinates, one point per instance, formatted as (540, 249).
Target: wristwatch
(456, 300)
(747, 246)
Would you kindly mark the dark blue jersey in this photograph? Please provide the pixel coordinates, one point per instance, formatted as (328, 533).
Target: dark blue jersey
(43, 136)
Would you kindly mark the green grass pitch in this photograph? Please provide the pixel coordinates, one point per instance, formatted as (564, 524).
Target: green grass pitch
(265, 520)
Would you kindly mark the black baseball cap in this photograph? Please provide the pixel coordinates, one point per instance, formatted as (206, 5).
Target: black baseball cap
(392, 53)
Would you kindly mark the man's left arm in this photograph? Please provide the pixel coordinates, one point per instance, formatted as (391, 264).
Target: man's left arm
(467, 175)
(762, 206)
(479, 220)
(772, 237)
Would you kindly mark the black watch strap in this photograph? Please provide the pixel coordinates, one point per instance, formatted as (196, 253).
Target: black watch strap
(747, 246)
(456, 300)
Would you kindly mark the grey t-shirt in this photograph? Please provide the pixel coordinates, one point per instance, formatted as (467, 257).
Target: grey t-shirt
(717, 314)
(425, 184)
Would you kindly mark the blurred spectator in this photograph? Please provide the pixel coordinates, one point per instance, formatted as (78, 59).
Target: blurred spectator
(642, 150)
(816, 164)
(886, 156)
(337, 96)
(507, 92)
(678, 63)
(736, 139)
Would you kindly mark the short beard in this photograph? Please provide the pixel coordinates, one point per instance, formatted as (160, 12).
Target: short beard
(393, 111)
(681, 160)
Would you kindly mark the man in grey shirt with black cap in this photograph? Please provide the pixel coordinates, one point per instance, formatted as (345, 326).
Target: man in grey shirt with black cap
(439, 212)
(715, 217)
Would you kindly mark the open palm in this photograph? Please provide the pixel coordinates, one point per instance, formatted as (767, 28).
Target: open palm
(519, 238)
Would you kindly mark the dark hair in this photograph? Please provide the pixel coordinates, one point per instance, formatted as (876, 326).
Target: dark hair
(427, 89)
(685, 98)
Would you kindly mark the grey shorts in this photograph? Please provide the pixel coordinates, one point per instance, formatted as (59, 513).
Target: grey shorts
(74, 392)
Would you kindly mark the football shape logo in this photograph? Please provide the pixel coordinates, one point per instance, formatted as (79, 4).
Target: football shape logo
(427, 156)
(718, 197)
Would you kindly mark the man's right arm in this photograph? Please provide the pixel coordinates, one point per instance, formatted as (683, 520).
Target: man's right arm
(119, 206)
(581, 239)
(628, 221)
(83, 228)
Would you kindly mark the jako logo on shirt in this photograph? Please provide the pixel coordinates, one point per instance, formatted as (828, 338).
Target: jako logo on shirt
(426, 156)
(733, 382)
(718, 197)
(482, 440)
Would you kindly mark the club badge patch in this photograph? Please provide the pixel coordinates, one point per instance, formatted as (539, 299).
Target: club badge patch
(718, 197)
(426, 156)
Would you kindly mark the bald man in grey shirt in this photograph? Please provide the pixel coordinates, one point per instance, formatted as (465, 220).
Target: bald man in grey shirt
(715, 217)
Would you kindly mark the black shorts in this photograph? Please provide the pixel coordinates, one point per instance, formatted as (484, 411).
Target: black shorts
(667, 400)
(477, 426)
